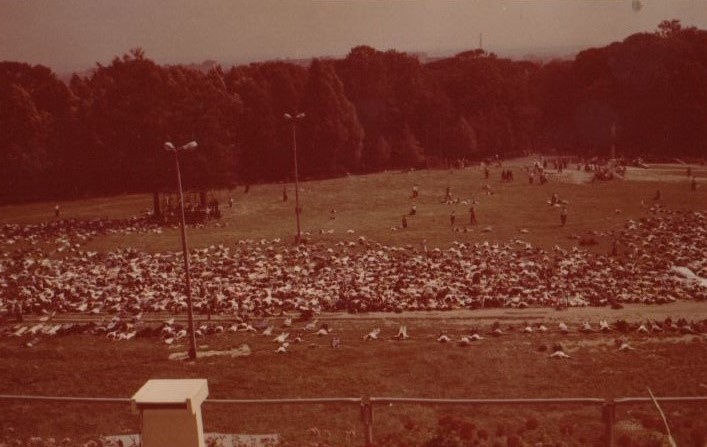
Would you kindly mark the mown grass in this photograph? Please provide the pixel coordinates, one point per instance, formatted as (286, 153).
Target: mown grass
(503, 367)
(373, 204)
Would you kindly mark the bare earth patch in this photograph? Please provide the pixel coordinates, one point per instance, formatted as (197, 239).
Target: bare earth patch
(241, 351)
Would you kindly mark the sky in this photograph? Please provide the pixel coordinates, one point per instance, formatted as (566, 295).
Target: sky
(69, 35)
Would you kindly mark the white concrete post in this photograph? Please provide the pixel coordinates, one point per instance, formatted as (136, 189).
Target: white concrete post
(171, 412)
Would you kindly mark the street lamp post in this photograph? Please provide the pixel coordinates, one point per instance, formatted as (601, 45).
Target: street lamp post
(190, 310)
(293, 120)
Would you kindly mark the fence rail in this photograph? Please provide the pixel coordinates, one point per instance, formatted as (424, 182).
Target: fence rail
(306, 401)
(410, 400)
(367, 404)
(71, 399)
(641, 400)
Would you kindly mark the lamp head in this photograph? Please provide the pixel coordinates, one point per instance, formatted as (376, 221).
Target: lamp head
(289, 117)
(187, 147)
(190, 146)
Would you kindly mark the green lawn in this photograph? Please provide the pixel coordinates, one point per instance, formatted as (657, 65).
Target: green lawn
(371, 205)
(504, 367)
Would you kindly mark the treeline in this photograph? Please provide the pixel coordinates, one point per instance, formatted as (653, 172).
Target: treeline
(104, 133)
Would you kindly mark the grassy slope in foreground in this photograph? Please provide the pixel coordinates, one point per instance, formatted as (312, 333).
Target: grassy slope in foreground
(502, 367)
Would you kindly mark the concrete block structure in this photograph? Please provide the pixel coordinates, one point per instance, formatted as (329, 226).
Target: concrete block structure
(171, 412)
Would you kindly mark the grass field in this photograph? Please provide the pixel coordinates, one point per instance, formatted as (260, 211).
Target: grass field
(371, 205)
(509, 366)
(501, 367)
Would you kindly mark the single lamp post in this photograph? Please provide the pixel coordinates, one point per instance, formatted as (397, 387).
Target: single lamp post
(293, 120)
(190, 310)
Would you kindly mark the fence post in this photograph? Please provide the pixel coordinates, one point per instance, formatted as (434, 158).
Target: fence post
(609, 415)
(367, 418)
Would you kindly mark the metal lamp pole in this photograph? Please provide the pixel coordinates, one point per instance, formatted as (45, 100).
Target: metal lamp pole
(293, 121)
(190, 309)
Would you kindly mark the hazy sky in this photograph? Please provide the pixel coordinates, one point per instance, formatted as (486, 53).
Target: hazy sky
(75, 34)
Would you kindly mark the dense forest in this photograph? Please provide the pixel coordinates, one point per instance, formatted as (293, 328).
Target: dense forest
(103, 133)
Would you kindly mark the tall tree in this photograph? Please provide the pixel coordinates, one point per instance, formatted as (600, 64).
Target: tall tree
(203, 108)
(406, 150)
(269, 90)
(257, 132)
(461, 141)
(128, 116)
(377, 155)
(331, 137)
(34, 107)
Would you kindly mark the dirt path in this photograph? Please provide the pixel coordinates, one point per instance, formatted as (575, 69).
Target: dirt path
(631, 312)
(690, 310)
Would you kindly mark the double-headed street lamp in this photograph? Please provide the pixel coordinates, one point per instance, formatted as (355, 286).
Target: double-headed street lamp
(293, 120)
(190, 310)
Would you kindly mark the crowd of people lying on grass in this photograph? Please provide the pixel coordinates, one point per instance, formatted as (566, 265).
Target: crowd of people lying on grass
(10, 439)
(306, 328)
(72, 231)
(657, 259)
